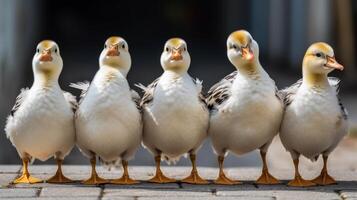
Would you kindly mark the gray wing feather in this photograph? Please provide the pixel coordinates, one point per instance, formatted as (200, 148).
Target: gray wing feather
(19, 99)
(136, 98)
(148, 92)
(201, 96)
(71, 100)
(289, 93)
(220, 92)
(83, 86)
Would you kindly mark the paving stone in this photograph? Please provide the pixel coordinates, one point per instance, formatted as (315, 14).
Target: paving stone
(18, 192)
(6, 179)
(144, 185)
(57, 198)
(206, 198)
(77, 191)
(213, 187)
(348, 194)
(5, 169)
(303, 195)
(153, 192)
(346, 187)
(119, 198)
(283, 194)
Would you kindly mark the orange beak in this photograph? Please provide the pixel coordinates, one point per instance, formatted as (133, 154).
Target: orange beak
(46, 56)
(176, 55)
(246, 54)
(332, 63)
(113, 51)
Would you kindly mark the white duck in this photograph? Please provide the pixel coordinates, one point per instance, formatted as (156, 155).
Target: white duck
(41, 123)
(174, 113)
(314, 120)
(245, 109)
(108, 121)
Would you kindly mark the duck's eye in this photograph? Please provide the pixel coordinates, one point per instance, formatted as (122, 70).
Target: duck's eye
(56, 50)
(184, 49)
(167, 49)
(318, 54)
(123, 46)
(105, 46)
(234, 46)
(38, 50)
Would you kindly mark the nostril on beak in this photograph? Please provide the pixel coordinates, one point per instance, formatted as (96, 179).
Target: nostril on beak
(46, 56)
(113, 51)
(176, 55)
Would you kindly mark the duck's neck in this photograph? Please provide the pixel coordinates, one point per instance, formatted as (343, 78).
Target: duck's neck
(111, 70)
(175, 74)
(45, 79)
(250, 69)
(315, 80)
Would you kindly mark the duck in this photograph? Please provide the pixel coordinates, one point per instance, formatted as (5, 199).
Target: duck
(314, 119)
(41, 123)
(175, 116)
(245, 109)
(108, 120)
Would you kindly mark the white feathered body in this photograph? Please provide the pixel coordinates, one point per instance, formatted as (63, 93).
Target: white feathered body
(176, 122)
(249, 118)
(43, 125)
(108, 122)
(313, 122)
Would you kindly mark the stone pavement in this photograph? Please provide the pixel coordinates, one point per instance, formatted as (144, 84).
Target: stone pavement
(345, 189)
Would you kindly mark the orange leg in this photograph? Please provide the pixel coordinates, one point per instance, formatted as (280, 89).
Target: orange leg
(159, 176)
(94, 179)
(59, 177)
(26, 177)
(125, 179)
(194, 178)
(324, 178)
(266, 178)
(298, 180)
(222, 178)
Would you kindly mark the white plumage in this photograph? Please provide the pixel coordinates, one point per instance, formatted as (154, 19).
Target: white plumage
(175, 115)
(248, 118)
(41, 124)
(108, 121)
(176, 121)
(315, 120)
(246, 111)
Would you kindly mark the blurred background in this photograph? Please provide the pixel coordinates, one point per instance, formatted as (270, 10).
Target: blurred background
(283, 28)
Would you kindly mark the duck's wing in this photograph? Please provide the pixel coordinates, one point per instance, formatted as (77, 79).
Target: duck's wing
(148, 92)
(71, 99)
(221, 91)
(19, 100)
(335, 83)
(201, 96)
(287, 95)
(83, 86)
(136, 98)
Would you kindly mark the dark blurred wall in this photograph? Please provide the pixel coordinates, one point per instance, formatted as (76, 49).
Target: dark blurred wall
(283, 29)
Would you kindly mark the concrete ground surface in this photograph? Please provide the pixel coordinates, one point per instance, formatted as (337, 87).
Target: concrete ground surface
(345, 189)
(342, 166)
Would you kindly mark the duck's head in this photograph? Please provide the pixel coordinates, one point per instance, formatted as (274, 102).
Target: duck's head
(116, 54)
(175, 56)
(320, 59)
(242, 50)
(47, 60)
